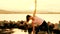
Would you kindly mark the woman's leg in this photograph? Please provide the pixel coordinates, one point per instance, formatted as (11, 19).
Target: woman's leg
(29, 30)
(44, 27)
(36, 30)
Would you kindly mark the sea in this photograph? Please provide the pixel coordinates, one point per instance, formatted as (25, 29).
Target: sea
(53, 18)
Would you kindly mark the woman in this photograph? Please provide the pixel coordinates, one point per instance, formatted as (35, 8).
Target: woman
(42, 25)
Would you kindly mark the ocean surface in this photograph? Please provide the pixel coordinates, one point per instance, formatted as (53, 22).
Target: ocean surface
(53, 18)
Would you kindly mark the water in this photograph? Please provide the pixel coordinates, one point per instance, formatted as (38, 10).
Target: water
(53, 18)
(18, 31)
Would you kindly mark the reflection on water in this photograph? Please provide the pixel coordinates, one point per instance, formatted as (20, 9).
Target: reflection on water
(18, 31)
(12, 31)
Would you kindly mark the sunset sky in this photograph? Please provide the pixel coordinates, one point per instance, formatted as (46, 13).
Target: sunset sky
(27, 5)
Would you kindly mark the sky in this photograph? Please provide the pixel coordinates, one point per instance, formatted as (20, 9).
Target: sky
(28, 5)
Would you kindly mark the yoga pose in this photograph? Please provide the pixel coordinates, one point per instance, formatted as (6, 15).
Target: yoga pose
(39, 24)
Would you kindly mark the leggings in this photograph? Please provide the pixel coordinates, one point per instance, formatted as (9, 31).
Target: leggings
(42, 27)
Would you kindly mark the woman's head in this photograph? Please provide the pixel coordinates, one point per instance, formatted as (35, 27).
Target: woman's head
(28, 17)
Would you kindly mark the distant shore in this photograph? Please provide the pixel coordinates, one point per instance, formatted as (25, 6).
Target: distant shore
(27, 12)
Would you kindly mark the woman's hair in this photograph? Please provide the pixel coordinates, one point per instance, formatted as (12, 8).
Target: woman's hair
(27, 17)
